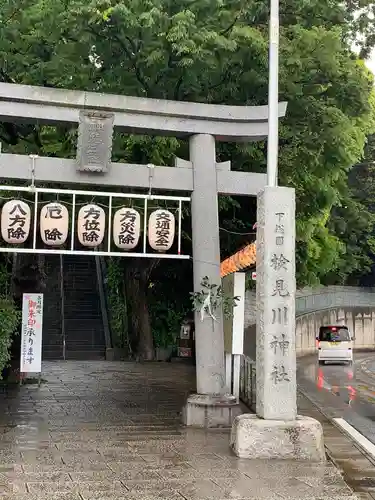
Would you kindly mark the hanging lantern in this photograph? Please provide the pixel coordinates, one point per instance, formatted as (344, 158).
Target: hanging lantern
(91, 225)
(54, 224)
(15, 221)
(161, 229)
(126, 228)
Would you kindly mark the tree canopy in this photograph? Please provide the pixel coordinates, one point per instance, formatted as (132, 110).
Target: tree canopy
(216, 51)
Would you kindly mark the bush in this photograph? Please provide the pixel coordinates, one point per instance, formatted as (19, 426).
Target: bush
(9, 318)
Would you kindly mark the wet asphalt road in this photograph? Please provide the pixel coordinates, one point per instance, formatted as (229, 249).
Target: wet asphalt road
(343, 391)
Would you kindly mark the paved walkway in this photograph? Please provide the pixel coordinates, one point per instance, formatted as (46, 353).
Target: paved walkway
(111, 431)
(357, 467)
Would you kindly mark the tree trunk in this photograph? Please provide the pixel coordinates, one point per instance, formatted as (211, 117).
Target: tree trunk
(136, 275)
(28, 275)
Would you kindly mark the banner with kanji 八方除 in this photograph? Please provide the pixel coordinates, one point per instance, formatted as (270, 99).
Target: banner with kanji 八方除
(32, 326)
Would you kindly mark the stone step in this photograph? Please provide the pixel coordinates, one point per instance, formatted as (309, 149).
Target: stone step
(84, 334)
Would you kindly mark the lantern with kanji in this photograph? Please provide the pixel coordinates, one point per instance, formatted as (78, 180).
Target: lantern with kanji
(15, 221)
(91, 225)
(161, 230)
(54, 224)
(126, 228)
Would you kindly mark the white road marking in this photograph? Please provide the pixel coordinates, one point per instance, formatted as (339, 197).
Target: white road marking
(359, 438)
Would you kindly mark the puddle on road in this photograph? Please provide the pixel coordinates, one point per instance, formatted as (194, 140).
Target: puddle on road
(347, 391)
(358, 471)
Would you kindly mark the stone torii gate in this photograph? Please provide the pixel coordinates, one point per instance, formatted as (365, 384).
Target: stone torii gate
(203, 125)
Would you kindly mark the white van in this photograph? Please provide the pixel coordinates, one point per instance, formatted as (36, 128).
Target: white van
(335, 344)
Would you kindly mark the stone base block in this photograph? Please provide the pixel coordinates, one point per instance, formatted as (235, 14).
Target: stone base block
(210, 412)
(109, 354)
(300, 439)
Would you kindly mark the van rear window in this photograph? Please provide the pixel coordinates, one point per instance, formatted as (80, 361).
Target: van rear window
(334, 334)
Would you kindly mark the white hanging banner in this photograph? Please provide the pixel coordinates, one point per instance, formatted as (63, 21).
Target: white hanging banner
(54, 224)
(161, 229)
(91, 225)
(126, 228)
(15, 221)
(31, 336)
(56, 230)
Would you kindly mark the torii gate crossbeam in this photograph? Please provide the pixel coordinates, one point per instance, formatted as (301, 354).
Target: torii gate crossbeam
(202, 176)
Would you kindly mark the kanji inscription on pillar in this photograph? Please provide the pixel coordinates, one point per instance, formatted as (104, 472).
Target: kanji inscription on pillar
(276, 352)
(94, 146)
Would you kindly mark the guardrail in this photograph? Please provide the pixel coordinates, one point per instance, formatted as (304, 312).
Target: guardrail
(309, 300)
(248, 381)
(316, 299)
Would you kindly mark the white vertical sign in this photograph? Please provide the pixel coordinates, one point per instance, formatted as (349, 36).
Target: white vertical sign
(234, 286)
(32, 327)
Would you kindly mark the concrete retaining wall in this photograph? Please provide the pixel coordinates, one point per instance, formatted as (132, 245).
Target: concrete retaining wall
(316, 299)
(360, 320)
(326, 305)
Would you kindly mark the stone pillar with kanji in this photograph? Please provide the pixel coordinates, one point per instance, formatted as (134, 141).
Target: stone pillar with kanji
(276, 292)
(276, 431)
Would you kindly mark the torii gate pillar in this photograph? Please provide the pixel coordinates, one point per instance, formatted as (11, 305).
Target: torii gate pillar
(209, 338)
(201, 176)
(209, 407)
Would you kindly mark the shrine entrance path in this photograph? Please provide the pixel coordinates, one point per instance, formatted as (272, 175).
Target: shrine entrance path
(111, 431)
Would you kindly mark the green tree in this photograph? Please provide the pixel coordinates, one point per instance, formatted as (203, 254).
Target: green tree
(361, 230)
(212, 51)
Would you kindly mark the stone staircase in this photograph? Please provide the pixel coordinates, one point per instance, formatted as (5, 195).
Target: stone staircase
(73, 326)
(52, 313)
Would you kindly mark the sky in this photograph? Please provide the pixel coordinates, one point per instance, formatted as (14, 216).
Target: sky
(371, 62)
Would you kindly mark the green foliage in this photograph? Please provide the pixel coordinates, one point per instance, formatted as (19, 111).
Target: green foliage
(250, 284)
(9, 320)
(166, 324)
(358, 224)
(217, 51)
(316, 163)
(4, 275)
(9, 315)
(168, 300)
(210, 298)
